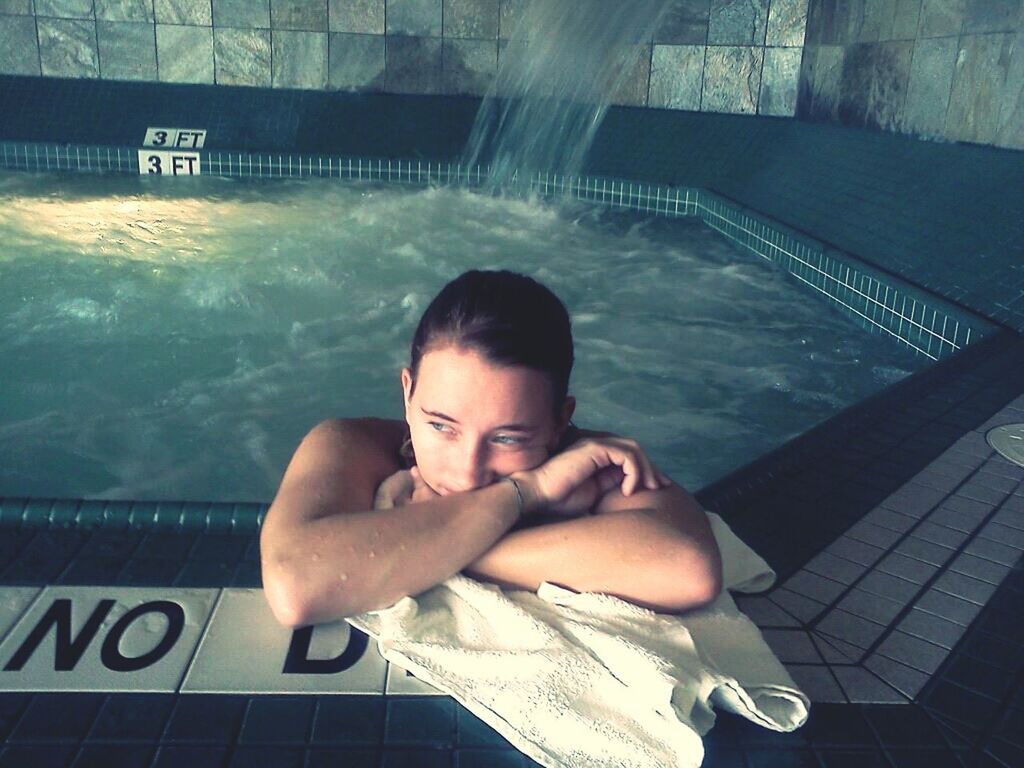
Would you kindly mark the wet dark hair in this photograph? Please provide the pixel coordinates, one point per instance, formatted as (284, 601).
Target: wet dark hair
(508, 318)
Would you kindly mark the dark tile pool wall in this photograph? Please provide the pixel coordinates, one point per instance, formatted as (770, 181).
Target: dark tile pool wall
(943, 216)
(949, 70)
(713, 55)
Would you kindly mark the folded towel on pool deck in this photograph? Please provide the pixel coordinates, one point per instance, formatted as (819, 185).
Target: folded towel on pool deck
(587, 679)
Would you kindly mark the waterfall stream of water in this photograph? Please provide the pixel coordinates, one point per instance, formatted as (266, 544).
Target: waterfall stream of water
(563, 65)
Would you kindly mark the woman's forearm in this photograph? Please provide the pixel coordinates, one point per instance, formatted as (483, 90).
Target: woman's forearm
(344, 564)
(628, 554)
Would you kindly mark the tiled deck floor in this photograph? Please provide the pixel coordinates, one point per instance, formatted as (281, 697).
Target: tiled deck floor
(897, 535)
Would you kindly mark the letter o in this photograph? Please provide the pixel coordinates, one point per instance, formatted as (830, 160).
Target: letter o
(111, 655)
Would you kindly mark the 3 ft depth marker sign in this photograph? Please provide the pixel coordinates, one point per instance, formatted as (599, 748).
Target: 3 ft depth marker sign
(166, 151)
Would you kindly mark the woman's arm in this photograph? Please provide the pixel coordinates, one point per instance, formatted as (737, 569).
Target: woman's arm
(327, 554)
(653, 548)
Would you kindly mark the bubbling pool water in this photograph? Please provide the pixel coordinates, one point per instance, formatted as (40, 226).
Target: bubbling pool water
(175, 340)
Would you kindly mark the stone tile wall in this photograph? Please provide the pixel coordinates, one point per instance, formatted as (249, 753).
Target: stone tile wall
(938, 69)
(735, 56)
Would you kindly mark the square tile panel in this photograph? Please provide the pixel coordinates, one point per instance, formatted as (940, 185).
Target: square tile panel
(966, 506)
(1002, 481)
(816, 587)
(349, 720)
(857, 551)
(974, 489)
(277, 720)
(964, 587)
(861, 686)
(886, 518)
(246, 650)
(852, 629)
(887, 585)
(913, 652)
(817, 682)
(940, 534)
(906, 679)
(835, 651)
(792, 645)
(957, 519)
(907, 568)
(926, 551)
(1009, 515)
(980, 568)
(874, 607)
(105, 639)
(948, 607)
(796, 605)
(914, 499)
(873, 534)
(835, 568)
(402, 681)
(55, 717)
(995, 551)
(1004, 534)
(932, 628)
(764, 612)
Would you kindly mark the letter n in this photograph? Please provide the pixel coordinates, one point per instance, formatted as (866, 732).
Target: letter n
(68, 650)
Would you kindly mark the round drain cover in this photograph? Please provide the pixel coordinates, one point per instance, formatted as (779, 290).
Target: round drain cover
(1008, 440)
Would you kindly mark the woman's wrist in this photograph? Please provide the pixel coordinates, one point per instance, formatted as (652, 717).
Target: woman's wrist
(529, 495)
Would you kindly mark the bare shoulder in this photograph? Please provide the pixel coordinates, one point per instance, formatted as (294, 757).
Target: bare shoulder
(337, 468)
(364, 430)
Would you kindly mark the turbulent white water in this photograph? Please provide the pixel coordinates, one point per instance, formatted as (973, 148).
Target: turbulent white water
(562, 67)
(174, 339)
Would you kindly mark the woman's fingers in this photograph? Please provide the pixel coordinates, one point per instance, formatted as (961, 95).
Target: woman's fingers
(639, 471)
(633, 470)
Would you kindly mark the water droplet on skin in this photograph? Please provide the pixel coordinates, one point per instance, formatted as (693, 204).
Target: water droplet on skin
(316, 555)
(372, 553)
(344, 577)
(401, 546)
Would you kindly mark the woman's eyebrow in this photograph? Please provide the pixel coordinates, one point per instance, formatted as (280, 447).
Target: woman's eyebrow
(506, 427)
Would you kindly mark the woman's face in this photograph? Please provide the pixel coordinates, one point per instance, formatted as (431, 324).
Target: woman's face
(472, 422)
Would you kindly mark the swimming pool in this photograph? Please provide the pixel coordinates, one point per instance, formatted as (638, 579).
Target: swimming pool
(175, 338)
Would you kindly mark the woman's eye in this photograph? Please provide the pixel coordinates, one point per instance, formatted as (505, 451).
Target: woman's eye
(436, 424)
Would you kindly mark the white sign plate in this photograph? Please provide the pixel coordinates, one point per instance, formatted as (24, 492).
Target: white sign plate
(13, 602)
(246, 650)
(160, 162)
(175, 138)
(104, 639)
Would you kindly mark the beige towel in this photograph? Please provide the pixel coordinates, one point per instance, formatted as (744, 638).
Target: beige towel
(587, 679)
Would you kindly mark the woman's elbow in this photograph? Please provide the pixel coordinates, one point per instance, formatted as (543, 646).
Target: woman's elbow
(295, 602)
(286, 600)
(701, 583)
(708, 586)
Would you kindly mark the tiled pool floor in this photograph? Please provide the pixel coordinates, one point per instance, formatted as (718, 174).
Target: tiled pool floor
(897, 534)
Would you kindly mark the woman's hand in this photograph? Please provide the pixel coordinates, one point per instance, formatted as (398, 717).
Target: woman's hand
(404, 487)
(574, 480)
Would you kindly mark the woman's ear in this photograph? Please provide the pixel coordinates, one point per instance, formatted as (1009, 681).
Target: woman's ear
(406, 387)
(568, 408)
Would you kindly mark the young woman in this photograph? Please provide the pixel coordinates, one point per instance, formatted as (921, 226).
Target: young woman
(486, 475)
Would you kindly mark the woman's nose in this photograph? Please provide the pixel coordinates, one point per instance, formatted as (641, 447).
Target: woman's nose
(472, 473)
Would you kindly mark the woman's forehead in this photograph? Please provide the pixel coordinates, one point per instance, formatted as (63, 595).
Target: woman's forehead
(464, 380)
